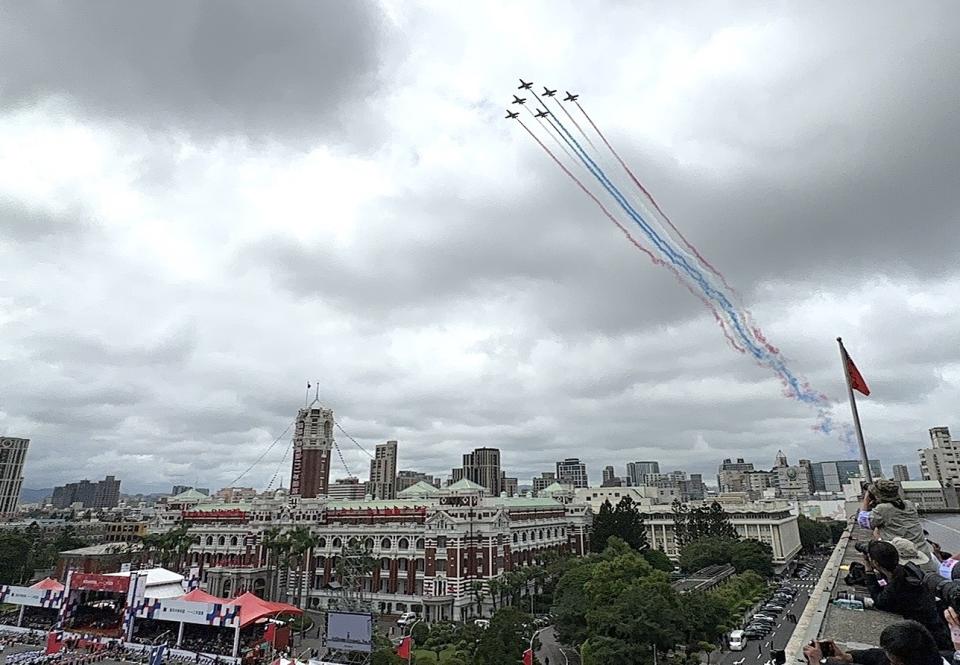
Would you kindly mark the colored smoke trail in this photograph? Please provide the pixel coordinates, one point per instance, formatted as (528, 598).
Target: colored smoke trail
(736, 319)
(690, 246)
(629, 236)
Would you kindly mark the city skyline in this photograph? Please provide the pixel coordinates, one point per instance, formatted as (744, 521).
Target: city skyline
(187, 239)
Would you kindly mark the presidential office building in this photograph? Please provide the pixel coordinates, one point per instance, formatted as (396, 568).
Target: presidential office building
(432, 549)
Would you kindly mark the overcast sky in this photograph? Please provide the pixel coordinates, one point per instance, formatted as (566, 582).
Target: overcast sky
(205, 204)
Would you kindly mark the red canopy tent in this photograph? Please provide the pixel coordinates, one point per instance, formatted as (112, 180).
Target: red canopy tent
(198, 596)
(48, 584)
(253, 608)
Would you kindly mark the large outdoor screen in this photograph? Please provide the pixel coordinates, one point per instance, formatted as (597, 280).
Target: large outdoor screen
(350, 632)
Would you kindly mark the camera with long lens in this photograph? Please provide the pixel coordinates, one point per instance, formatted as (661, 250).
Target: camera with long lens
(947, 590)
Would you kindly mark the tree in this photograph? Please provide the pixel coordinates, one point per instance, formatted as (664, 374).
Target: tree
(624, 521)
(505, 640)
(813, 533)
(658, 560)
(301, 543)
(13, 563)
(749, 554)
(746, 554)
(603, 527)
(692, 524)
(420, 633)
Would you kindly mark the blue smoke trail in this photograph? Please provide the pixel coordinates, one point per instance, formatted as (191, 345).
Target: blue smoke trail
(798, 390)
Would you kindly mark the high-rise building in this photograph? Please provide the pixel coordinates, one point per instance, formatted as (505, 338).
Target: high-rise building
(383, 472)
(638, 472)
(757, 481)
(573, 472)
(608, 475)
(794, 482)
(347, 489)
(941, 461)
(407, 478)
(833, 475)
(511, 486)
(546, 479)
(730, 477)
(901, 472)
(482, 467)
(13, 453)
(312, 443)
(693, 488)
(102, 494)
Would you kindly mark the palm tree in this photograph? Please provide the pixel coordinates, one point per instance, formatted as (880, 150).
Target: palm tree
(276, 543)
(302, 543)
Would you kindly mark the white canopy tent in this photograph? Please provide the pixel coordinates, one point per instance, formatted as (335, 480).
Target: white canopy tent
(161, 583)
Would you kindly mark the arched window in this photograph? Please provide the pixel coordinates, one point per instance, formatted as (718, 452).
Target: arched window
(420, 543)
(209, 540)
(385, 544)
(368, 544)
(403, 544)
(514, 539)
(540, 535)
(233, 540)
(327, 429)
(337, 542)
(222, 540)
(322, 542)
(524, 536)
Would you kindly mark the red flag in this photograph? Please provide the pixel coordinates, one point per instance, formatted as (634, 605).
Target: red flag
(54, 642)
(528, 657)
(403, 650)
(856, 378)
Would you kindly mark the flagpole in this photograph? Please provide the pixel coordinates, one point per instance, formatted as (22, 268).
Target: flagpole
(845, 360)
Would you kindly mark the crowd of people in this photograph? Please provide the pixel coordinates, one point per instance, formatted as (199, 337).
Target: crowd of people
(906, 574)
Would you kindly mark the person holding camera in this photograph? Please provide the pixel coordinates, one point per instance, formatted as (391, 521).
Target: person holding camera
(895, 581)
(902, 643)
(890, 516)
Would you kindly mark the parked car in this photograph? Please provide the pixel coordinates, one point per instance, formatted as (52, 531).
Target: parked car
(773, 607)
(482, 623)
(407, 619)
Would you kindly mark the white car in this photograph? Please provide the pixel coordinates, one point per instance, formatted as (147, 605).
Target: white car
(481, 623)
(406, 619)
(737, 640)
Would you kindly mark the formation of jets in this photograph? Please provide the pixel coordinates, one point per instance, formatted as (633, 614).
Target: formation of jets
(547, 92)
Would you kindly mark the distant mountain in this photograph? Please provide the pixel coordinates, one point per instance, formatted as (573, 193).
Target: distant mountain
(34, 496)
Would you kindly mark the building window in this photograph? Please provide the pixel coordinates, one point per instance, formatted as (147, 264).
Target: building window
(419, 565)
(233, 540)
(403, 544)
(441, 541)
(337, 542)
(385, 544)
(222, 540)
(368, 544)
(420, 543)
(322, 542)
(209, 540)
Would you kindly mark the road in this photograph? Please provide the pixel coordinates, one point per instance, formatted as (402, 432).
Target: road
(550, 651)
(758, 651)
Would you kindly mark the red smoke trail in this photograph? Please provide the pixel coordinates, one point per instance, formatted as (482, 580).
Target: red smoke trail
(633, 241)
(772, 349)
(652, 200)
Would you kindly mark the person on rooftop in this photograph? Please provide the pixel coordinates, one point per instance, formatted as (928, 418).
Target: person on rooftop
(890, 516)
(894, 579)
(901, 643)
